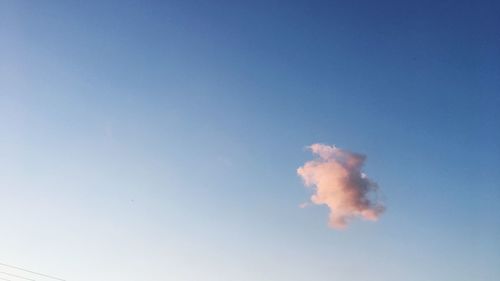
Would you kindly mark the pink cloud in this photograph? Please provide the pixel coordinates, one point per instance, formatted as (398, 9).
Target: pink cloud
(339, 183)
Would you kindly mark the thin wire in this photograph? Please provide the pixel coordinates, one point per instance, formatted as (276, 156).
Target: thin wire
(18, 276)
(27, 270)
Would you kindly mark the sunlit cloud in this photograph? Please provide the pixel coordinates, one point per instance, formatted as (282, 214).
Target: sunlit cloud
(336, 177)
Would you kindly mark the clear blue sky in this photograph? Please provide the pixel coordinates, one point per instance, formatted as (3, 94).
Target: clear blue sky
(159, 140)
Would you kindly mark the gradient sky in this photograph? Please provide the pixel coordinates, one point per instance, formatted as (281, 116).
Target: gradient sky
(159, 140)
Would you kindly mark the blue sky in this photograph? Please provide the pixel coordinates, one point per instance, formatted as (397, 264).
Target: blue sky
(160, 139)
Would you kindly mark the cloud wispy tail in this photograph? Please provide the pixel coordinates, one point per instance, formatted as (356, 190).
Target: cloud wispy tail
(337, 179)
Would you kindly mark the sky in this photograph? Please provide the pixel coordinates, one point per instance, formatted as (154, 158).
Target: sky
(160, 140)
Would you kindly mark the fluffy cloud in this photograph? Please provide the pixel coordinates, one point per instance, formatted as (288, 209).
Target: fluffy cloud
(338, 182)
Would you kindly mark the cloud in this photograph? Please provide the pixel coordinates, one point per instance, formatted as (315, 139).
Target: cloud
(336, 177)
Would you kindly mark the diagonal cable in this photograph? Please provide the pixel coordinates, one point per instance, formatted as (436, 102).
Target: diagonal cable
(30, 271)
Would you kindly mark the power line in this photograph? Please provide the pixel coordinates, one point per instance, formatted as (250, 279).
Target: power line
(30, 271)
(18, 276)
